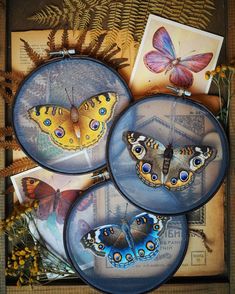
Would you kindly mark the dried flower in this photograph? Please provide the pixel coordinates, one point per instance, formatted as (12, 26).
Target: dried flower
(222, 77)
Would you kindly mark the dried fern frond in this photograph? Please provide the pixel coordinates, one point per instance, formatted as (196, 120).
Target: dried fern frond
(10, 144)
(80, 41)
(130, 16)
(6, 96)
(51, 40)
(17, 166)
(65, 39)
(112, 53)
(97, 45)
(14, 77)
(119, 63)
(50, 15)
(34, 56)
(6, 132)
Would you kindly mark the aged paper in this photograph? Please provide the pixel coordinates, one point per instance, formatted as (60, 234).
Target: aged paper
(208, 219)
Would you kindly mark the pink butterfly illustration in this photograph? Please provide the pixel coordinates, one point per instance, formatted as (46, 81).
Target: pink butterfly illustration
(164, 59)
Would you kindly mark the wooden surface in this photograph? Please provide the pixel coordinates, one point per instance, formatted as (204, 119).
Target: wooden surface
(217, 288)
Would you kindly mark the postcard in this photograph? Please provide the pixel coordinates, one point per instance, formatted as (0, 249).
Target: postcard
(173, 54)
(55, 193)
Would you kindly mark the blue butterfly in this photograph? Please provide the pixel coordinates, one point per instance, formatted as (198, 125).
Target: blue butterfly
(126, 244)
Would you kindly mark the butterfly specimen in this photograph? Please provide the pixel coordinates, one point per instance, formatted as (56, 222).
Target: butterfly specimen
(173, 168)
(128, 243)
(78, 127)
(164, 58)
(50, 200)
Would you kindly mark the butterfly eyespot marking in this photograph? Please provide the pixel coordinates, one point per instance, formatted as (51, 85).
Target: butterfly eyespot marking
(138, 221)
(94, 125)
(117, 257)
(111, 230)
(197, 161)
(156, 227)
(91, 241)
(150, 246)
(146, 167)
(129, 257)
(184, 176)
(47, 122)
(102, 111)
(106, 233)
(138, 149)
(141, 252)
(101, 246)
(174, 181)
(154, 177)
(31, 181)
(59, 132)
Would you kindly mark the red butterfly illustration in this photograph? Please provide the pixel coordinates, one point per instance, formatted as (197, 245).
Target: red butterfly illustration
(50, 200)
(164, 59)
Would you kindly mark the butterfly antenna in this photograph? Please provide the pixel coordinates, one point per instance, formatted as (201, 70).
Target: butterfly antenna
(70, 101)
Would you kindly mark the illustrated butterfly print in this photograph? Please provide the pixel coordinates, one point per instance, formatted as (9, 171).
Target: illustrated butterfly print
(173, 168)
(78, 127)
(50, 200)
(163, 58)
(128, 243)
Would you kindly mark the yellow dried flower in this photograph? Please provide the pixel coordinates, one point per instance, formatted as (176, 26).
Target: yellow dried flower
(213, 73)
(22, 262)
(218, 68)
(13, 257)
(224, 67)
(207, 75)
(22, 253)
(15, 265)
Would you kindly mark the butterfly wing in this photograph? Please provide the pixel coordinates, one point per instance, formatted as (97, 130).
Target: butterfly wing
(197, 62)
(157, 61)
(56, 122)
(110, 241)
(181, 76)
(93, 116)
(145, 230)
(163, 43)
(66, 198)
(148, 153)
(185, 163)
(39, 190)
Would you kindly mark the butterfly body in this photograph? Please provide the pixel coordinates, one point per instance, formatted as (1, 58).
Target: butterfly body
(164, 58)
(127, 243)
(173, 168)
(50, 200)
(77, 127)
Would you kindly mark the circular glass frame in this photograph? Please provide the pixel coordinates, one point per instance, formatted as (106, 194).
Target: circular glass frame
(63, 111)
(176, 124)
(110, 209)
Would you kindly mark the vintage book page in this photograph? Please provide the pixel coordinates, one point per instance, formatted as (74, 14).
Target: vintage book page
(209, 219)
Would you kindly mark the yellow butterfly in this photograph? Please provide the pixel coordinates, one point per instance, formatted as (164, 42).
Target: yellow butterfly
(78, 127)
